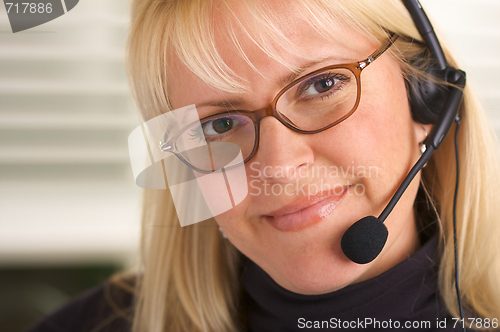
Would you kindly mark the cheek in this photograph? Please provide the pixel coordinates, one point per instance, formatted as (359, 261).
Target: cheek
(234, 221)
(243, 232)
(224, 192)
(384, 113)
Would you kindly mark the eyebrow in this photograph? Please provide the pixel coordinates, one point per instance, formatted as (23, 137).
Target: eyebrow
(223, 103)
(286, 79)
(282, 81)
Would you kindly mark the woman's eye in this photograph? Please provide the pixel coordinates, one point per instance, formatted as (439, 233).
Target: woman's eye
(227, 127)
(218, 126)
(320, 86)
(324, 85)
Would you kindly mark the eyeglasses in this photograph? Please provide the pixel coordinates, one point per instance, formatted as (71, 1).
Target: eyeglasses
(308, 105)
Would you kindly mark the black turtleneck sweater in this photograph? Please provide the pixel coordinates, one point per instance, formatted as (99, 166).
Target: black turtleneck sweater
(405, 296)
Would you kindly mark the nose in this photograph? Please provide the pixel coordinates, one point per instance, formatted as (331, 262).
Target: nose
(283, 154)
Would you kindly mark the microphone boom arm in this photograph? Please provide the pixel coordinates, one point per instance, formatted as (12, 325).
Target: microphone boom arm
(406, 182)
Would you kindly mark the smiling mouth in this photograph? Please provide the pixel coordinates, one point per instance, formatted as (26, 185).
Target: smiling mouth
(305, 212)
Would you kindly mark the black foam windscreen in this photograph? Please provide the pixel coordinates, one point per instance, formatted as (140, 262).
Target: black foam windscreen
(364, 240)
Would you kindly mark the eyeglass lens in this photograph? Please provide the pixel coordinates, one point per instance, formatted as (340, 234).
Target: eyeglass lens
(316, 101)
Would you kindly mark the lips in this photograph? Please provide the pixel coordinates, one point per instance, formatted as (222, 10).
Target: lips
(306, 211)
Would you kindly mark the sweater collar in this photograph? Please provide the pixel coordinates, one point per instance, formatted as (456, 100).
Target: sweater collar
(407, 291)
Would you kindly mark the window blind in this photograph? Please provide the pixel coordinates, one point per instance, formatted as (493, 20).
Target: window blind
(67, 194)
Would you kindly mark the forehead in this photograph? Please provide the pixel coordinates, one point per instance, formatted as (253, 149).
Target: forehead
(266, 57)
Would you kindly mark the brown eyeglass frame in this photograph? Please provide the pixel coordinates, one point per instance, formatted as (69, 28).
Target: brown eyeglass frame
(356, 68)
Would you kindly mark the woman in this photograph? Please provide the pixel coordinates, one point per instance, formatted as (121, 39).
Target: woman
(245, 52)
(274, 262)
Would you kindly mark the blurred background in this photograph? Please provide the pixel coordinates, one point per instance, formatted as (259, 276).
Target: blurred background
(69, 208)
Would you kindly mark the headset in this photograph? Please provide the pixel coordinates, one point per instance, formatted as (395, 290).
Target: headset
(430, 103)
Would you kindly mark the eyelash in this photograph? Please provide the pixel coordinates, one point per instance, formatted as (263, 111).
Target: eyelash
(195, 135)
(310, 82)
(215, 139)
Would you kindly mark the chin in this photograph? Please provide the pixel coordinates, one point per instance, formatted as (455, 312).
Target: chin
(324, 273)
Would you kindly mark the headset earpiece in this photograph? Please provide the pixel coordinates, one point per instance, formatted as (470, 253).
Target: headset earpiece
(426, 96)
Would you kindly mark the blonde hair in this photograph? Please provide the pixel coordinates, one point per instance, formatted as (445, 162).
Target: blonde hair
(189, 277)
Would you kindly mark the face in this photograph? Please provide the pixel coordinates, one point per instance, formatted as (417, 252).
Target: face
(306, 190)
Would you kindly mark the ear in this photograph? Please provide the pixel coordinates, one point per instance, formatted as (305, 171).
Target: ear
(421, 131)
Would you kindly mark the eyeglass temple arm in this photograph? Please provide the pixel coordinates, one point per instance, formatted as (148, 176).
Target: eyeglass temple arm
(379, 51)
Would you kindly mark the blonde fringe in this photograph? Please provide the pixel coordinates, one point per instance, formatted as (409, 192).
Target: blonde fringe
(189, 276)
